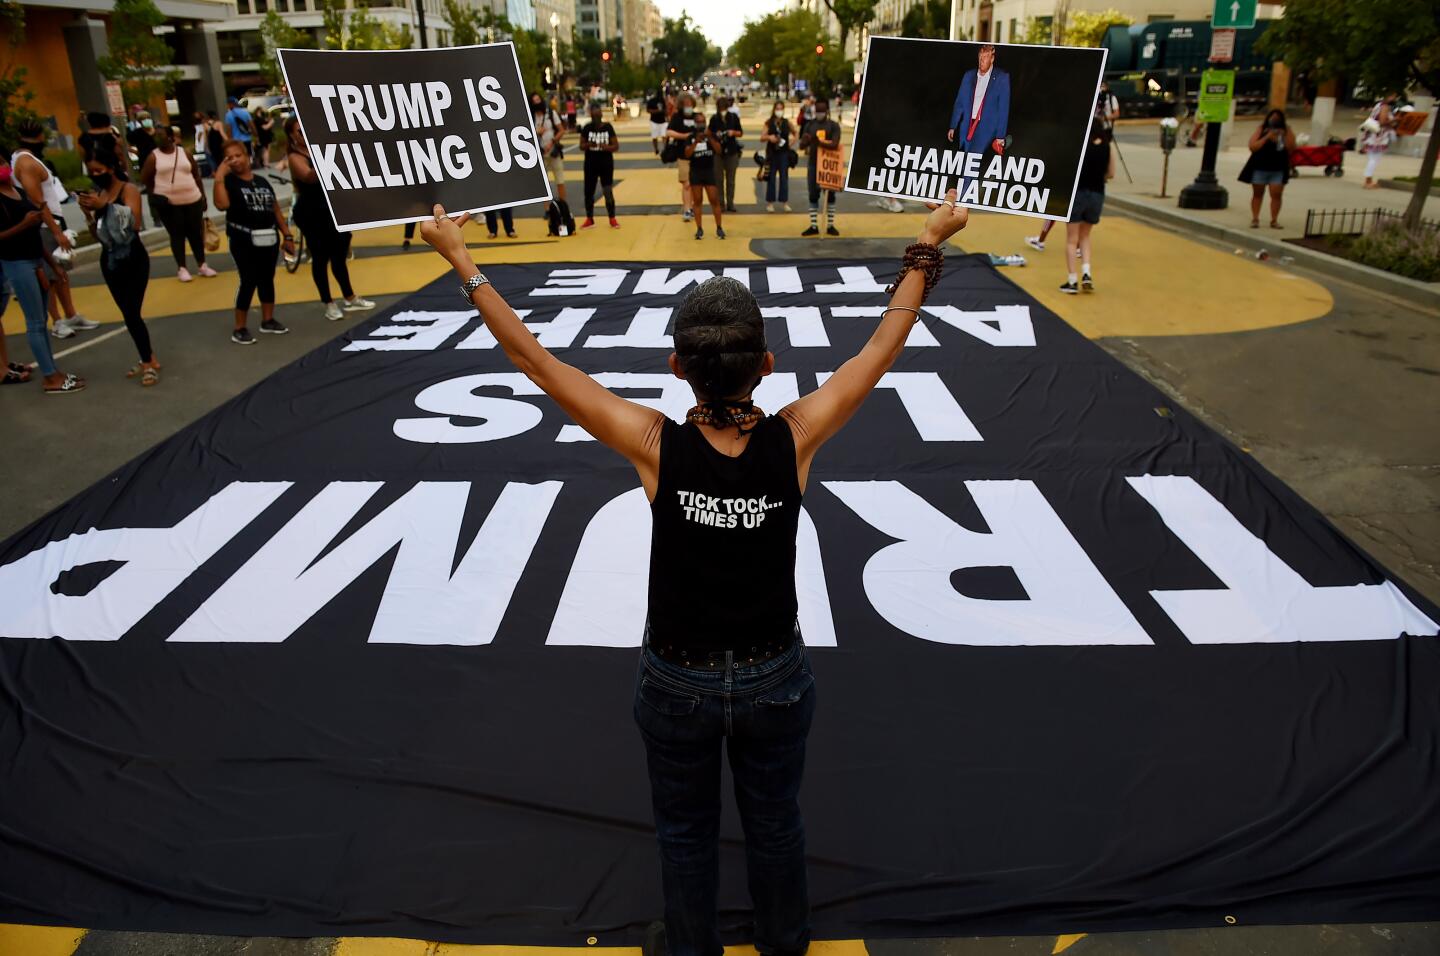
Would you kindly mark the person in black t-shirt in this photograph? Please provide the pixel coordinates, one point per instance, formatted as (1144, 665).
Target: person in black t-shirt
(701, 150)
(256, 227)
(1096, 166)
(725, 126)
(102, 139)
(655, 105)
(599, 142)
(682, 129)
(724, 666)
(819, 132)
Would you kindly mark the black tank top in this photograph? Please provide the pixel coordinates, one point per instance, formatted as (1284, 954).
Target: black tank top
(722, 550)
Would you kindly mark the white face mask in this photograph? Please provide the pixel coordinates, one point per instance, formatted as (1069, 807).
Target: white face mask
(779, 111)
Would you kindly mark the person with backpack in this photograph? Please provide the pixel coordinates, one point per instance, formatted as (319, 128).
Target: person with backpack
(777, 137)
(550, 132)
(112, 210)
(723, 669)
(239, 124)
(599, 142)
(725, 125)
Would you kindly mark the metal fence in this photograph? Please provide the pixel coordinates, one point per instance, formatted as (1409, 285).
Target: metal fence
(1355, 222)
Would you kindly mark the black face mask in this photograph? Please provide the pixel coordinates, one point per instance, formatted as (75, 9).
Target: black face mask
(102, 181)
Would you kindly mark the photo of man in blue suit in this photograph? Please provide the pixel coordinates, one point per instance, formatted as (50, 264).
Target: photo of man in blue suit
(980, 118)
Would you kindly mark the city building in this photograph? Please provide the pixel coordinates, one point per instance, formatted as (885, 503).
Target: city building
(597, 19)
(641, 25)
(1006, 21)
(562, 12)
(64, 40)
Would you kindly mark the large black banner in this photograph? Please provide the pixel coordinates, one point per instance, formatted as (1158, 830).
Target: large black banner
(354, 653)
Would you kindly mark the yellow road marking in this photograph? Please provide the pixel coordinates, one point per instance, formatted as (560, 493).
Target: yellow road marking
(1063, 943)
(17, 940)
(386, 946)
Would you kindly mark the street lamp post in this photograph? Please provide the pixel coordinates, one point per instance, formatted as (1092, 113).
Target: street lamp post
(555, 48)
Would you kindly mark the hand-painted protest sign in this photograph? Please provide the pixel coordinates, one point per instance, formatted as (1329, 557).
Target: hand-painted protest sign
(392, 132)
(1004, 125)
(829, 169)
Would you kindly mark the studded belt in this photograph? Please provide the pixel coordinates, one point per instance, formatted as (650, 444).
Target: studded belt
(706, 658)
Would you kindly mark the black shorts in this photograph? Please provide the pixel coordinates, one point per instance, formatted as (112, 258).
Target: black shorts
(702, 171)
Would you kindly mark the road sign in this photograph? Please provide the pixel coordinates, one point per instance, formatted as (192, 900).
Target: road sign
(115, 98)
(1217, 87)
(1234, 14)
(1222, 46)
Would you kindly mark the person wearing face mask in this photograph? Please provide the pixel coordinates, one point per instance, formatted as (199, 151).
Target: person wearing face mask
(21, 258)
(683, 126)
(599, 142)
(776, 137)
(725, 126)
(142, 138)
(819, 133)
(113, 213)
(34, 177)
(702, 150)
(100, 137)
(173, 180)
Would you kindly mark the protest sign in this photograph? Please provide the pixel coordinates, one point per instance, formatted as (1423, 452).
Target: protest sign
(829, 169)
(1005, 125)
(392, 132)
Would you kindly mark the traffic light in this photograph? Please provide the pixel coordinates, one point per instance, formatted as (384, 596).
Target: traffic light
(819, 49)
(605, 56)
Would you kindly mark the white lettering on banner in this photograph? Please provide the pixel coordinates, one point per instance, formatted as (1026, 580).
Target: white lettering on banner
(582, 282)
(604, 600)
(919, 337)
(660, 282)
(1068, 601)
(1263, 600)
(155, 560)
(802, 325)
(456, 398)
(287, 581)
(559, 333)
(936, 414)
(780, 279)
(676, 398)
(1011, 328)
(646, 331)
(412, 332)
(853, 280)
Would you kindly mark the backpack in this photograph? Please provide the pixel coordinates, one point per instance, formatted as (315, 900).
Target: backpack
(558, 218)
(670, 152)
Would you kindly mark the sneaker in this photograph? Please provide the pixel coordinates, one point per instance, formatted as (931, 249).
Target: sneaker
(207, 272)
(358, 304)
(1087, 284)
(831, 231)
(242, 337)
(405, 246)
(688, 216)
(719, 232)
(492, 235)
(699, 232)
(82, 324)
(812, 231)
(588, 223)
(511, 234)
(787, 207)
(62, 329)
(614, 223)
(273, 326)
(1069, 288)
(1035, 242)
(769, 207)
(184, 275)
(731, 209)
(332, 312)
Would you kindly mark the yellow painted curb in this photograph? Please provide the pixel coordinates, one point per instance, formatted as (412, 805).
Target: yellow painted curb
(1063, 943)
(17, 940)
(386, 946)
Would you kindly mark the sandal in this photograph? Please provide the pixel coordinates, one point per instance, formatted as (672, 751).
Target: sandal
(72, 383)
(13, 376)
(151, 376)
(1254, 223)
(1276, 225)
(139, 369)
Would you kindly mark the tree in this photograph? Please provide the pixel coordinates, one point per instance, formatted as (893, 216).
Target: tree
(854, 14)
(1083, 28)
(928, 20)
(277, 34)
(360, 30)
(754, 49)
(15, 95)
(1038, 31)
(1383, 45)
(138, 57)
(464, 20)
(682, 46)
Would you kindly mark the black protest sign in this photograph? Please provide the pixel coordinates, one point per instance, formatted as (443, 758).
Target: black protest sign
(392, 132)
(1004, 125)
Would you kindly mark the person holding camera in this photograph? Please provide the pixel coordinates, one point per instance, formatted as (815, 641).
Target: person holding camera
(681, 131)
(725, 125)
(256, 225)
(1268, 166)
(777, 136)
(550, 131)
(112, 209)
(701, 151)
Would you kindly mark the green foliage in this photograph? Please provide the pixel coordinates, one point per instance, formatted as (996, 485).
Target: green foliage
(360, 30)
(15, 95)
(929, 20)
(138, 57)
(854, 14)
(682, 46)
(784, 43)
(1382, 45)
(70, 168)
(1394, 248)
(277, 34)
(1083, 28)
(1038, 31)
(470, 25)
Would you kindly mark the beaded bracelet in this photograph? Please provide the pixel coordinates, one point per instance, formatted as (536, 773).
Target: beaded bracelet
(923, 256)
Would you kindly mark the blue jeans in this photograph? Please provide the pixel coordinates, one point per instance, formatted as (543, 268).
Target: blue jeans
(779, 168)
(20, 273)
(763, 714)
